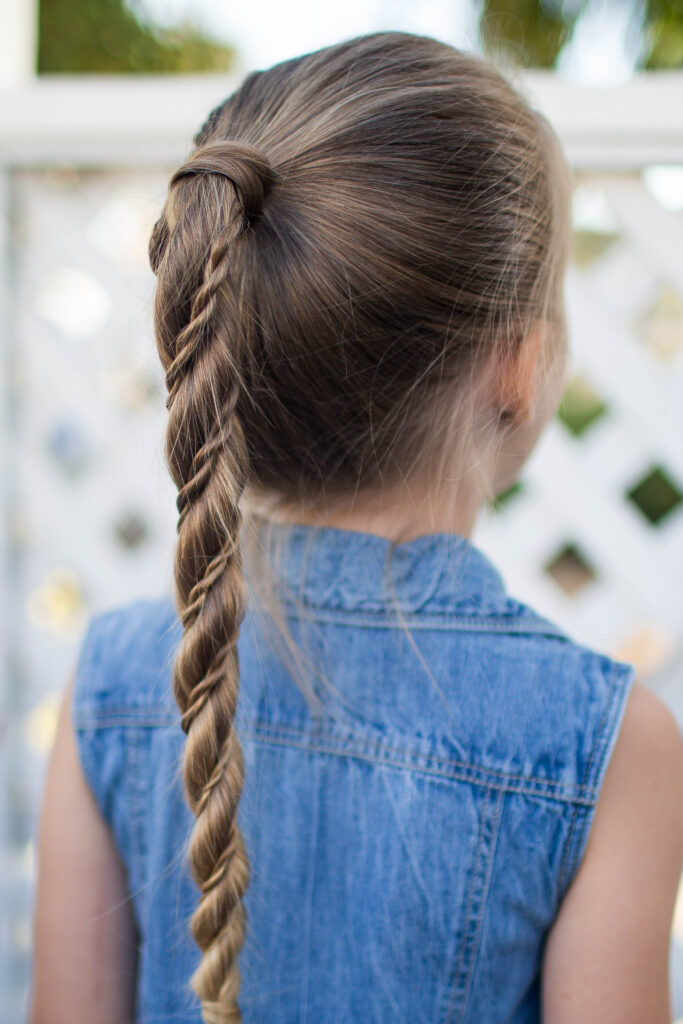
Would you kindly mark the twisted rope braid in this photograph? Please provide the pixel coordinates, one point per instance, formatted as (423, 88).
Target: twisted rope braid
(207, 458)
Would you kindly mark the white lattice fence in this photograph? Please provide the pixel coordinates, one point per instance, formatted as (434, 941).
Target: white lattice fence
(89, 513)
(595, 534)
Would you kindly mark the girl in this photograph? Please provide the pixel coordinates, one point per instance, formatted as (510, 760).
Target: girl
(341, 775)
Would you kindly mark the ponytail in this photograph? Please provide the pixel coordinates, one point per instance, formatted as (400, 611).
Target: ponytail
(200, 336)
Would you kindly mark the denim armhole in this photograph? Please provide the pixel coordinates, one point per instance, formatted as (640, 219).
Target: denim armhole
(619, 677)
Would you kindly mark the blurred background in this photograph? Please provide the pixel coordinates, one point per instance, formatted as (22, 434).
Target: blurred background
(98, 103)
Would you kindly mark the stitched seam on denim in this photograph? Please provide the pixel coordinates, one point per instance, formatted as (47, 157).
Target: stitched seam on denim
(567, 860)
(117, 716)
(137, 787)
(429, 772)
(474, 952)
(411, 759)
(455, 984)
(411, 756)
(483, 898)
(434, 620)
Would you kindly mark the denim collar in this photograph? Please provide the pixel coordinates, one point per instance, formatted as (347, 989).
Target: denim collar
(332, 568)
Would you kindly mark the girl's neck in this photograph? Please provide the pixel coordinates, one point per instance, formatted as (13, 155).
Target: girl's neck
(398, 516)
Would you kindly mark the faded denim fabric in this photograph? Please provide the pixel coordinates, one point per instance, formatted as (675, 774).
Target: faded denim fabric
(409, 847)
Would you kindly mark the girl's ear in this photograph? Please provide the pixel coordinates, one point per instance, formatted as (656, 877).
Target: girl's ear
(512, 380)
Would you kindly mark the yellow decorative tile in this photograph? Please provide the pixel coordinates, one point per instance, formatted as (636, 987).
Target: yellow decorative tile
(57, 605)
(648, 646)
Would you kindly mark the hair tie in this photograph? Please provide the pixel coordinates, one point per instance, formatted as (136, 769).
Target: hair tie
(245, 166)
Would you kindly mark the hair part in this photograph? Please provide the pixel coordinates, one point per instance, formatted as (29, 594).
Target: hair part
(355, 233)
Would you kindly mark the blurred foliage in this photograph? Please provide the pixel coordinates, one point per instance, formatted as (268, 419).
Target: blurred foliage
(531, 33)
(665, 34)
(108, 36)
(115, 35)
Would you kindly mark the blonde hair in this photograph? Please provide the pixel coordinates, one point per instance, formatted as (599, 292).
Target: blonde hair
(355, 231)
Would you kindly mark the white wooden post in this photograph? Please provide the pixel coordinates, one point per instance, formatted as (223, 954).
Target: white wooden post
(18, 38)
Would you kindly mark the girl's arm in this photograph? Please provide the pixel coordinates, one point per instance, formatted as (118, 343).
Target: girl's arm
(607, 955)
(85, 937)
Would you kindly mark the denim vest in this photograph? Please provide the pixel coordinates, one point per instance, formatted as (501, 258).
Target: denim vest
(411, 844)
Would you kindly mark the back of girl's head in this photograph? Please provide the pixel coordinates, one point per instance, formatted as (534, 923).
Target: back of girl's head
(355, 234)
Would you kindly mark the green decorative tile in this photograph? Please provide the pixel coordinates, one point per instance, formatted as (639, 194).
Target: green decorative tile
(581, 406)
(588, 246)
(501, 500)
(655, 495)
